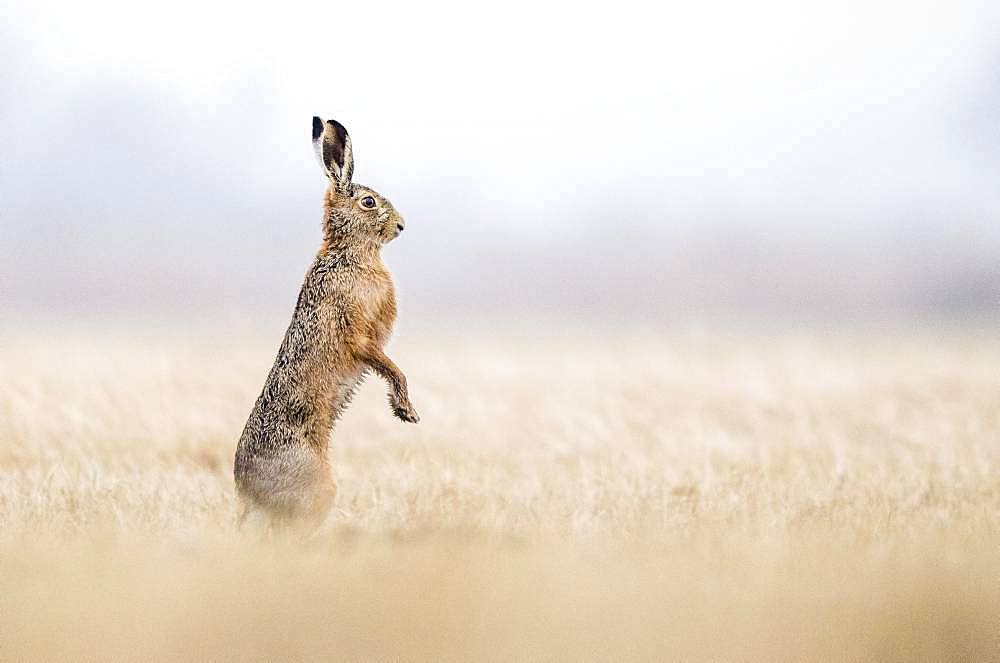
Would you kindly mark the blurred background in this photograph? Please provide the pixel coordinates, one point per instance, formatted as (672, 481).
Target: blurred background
(625, 161)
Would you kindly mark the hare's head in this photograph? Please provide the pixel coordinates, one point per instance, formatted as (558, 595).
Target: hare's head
(353, 213)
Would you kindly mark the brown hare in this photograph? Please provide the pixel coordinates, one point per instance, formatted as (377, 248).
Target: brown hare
(342, 319)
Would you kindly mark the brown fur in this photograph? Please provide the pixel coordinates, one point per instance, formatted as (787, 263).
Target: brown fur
(342, 320)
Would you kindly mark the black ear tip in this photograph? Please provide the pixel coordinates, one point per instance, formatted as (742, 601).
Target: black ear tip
(338, 129)
(317, 127)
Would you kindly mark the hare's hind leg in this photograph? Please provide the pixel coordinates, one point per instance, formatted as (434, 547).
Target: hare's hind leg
(302, 514)
(308, 491)
(318, 507)
(253, 520)
(293, 489)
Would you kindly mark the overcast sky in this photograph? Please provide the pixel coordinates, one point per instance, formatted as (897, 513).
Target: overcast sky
(777, 155)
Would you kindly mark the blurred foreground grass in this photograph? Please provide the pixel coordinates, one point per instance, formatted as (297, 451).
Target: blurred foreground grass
(575, 496)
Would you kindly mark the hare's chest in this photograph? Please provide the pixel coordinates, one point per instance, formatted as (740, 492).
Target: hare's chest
(377, 298)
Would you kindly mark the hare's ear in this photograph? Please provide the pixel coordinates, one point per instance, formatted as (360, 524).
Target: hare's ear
(318, 142)
(333, 149)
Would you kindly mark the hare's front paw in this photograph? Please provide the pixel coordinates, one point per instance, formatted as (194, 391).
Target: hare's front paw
(404, 410)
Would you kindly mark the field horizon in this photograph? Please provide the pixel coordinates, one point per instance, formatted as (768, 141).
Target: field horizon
(618, 493)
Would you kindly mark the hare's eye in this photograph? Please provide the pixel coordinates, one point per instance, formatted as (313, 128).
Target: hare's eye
(368, 202)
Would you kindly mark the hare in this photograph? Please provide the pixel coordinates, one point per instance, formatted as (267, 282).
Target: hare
(343, 317)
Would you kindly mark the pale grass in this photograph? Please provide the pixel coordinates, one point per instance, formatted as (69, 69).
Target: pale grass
(568, 495)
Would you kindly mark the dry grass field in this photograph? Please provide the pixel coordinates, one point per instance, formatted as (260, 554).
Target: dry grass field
(586, 496)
